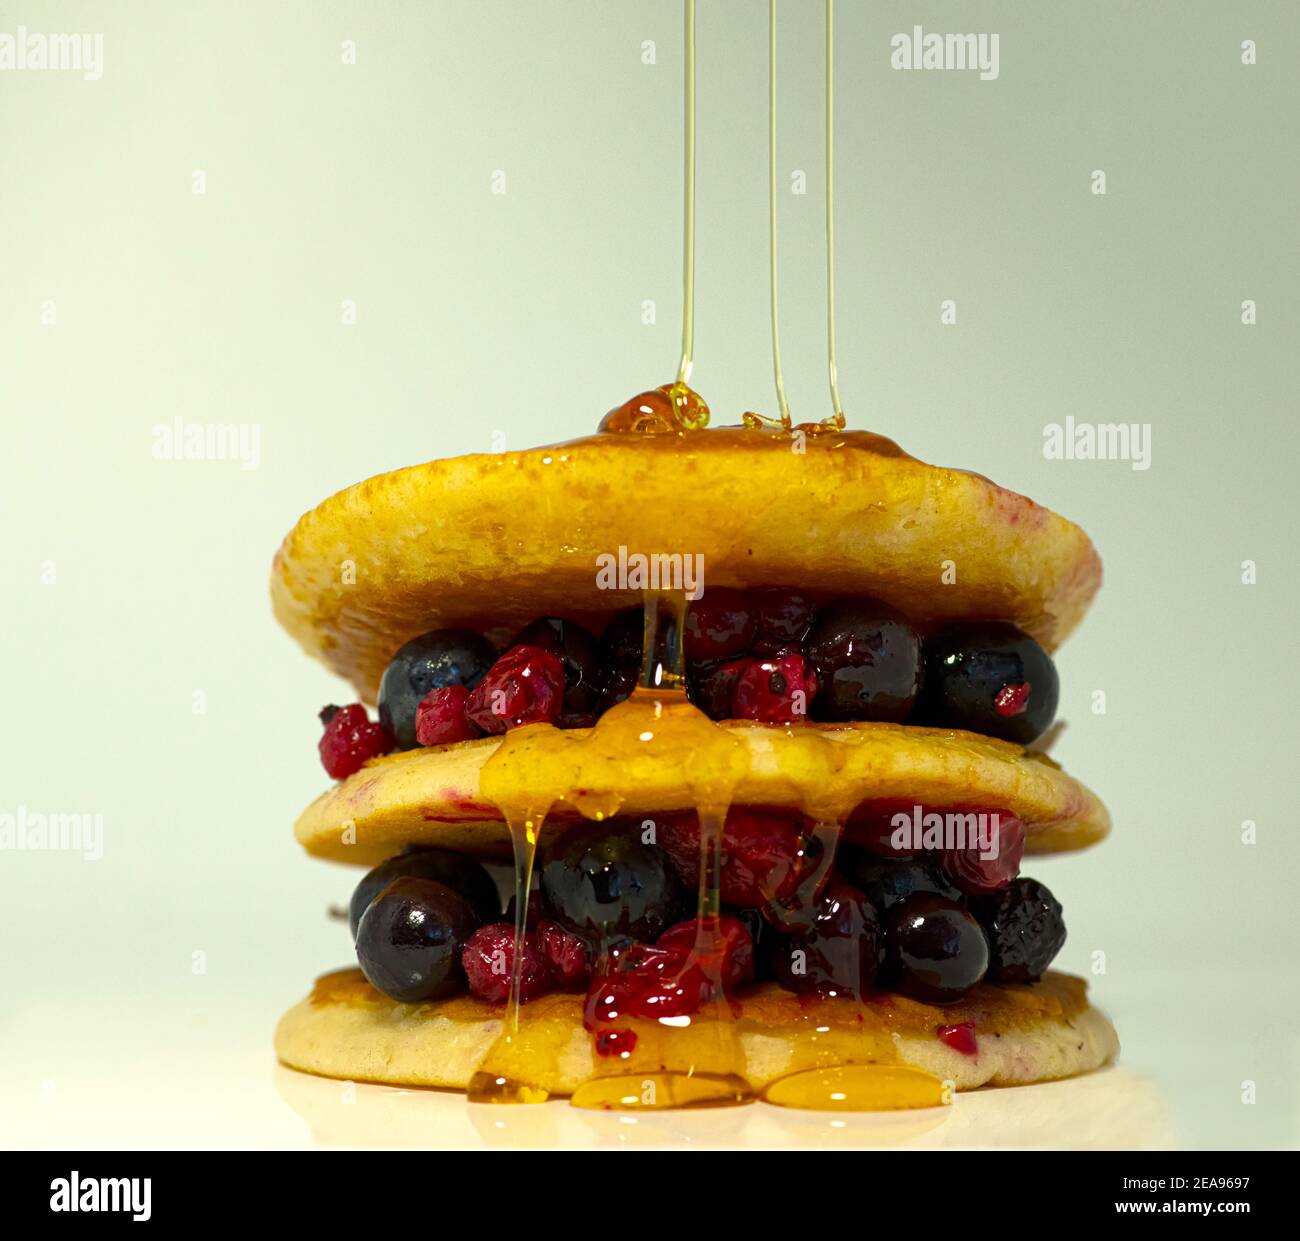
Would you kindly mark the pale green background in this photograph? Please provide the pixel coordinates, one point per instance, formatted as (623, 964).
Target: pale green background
(521, 314)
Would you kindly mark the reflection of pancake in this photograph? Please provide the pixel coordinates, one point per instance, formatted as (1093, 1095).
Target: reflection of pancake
(491, 541)
(433, 796)
(347, 1029)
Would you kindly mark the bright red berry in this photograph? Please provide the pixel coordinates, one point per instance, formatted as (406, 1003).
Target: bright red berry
(730, 956)
(979, 875)
(524, 686)
(567, 954)
(350, 740)
(488, 958)
(644, 980)
(960, 1038)
(440, 717)
(620, 1043)
(764, 854)
(776, 690)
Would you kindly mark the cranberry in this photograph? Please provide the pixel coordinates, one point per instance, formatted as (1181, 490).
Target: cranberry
(719, 625)
(440, 717)
(488, 958)
(872, 825)
(736, 948)
(567, 954)
(777, 690)
(621, 1043)
(350, 740)
(784, 619)
(524, 686)
(644, 980)
(960, 1038)
(584, 672)
(764, 854)
(979, 875)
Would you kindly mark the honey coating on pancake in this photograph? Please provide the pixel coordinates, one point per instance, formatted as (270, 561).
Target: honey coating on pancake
(433, 796)
(347, 1029)
(492, 541)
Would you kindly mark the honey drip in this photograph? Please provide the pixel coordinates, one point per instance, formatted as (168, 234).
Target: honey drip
(783, 421)
(845, 1061)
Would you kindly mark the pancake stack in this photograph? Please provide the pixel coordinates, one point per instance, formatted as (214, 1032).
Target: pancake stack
(491, 543)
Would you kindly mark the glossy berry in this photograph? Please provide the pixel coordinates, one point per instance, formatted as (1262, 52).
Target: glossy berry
(838, 949)
(719, 625)
(603, 881)
(524, 686)
(775, 690)
(888, 882)
(960, 1038)
(872, 826)
(584, 671)
(567, 954)
(728, 954)
(978, 875)
(990, 679)
(432, 661)
(351, 738)
(410, 940)
(934, 950)
(463, 875)
(440, 717)
(1025, 930)
(647, 981)
(868, 662)
(711, 686)
(621, 646)
(488, 960)
(765, 854)
(782, 621)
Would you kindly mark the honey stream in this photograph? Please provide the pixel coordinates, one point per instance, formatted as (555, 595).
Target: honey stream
(843, 1056)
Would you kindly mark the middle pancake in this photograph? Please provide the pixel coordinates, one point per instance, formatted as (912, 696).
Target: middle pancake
(433, 796)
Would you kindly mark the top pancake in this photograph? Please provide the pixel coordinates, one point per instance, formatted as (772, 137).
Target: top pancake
(493, 541)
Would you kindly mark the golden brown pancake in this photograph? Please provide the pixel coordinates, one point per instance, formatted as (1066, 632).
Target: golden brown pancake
(492, 541)
(432, 796)
(347, 1029)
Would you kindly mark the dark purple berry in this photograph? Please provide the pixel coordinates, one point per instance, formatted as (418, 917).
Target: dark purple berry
(868, 662)
(837, 950)
(990, 679)
(934, 950)
(432, 661)
(1025, 930)
(411, 937)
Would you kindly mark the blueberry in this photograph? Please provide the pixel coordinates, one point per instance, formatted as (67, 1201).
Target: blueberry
(432, 661)
(410, 939)
(934, 950)
(886, 882)
(762, 935)
(991, 679)
(838, 950)
(462, 874)
(621, 646)
(782, 620)
(1025, 930)
(868, 662)
(603, 881)
(584, 671)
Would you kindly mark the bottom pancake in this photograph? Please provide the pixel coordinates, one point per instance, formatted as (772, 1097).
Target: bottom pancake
(1047, 1030)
